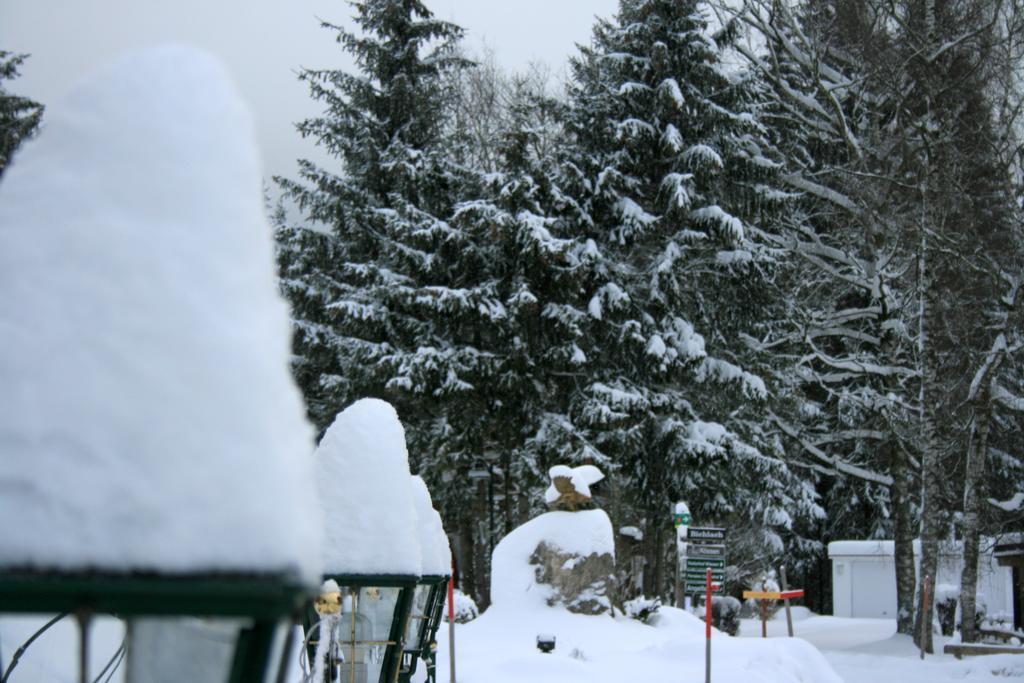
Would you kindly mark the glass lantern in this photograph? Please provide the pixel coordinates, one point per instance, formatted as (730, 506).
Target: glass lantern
(203, 629)
(355, 635)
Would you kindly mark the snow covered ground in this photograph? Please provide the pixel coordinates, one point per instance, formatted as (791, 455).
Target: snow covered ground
(870, 651)
(500, 647)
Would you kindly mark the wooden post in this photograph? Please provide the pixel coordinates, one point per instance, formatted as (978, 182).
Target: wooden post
(924, 612)
(707, 627)
(785, 601)
(764, 610)
(451, 625)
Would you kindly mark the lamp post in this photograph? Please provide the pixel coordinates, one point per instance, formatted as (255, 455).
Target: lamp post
(372, 551)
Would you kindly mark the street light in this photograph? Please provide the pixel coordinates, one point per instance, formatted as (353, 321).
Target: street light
(372, 554)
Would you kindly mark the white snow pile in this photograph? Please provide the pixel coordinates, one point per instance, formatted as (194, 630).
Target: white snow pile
(366, 492)
(437, 554)
(513, 579)
(148, 418)
(581, 477)
(500, 647)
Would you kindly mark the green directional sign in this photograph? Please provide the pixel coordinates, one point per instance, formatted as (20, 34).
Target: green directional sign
(704, 563)
(681, 519)
(695, 587)
(708, 534)
(717, 577)
(703, 550)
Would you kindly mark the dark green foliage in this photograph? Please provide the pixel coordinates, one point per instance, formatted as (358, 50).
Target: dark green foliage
(363, 272)
(19, 116)
(675, 181)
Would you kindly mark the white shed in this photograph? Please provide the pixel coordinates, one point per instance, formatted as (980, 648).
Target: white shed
(864, 578)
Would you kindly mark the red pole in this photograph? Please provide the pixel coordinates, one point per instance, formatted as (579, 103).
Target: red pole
(707, 627)
(451, 600)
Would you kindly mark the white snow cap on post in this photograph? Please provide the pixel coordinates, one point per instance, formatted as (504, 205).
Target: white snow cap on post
(581, 477)
(437, 554)
(366, 491)
(148, 418)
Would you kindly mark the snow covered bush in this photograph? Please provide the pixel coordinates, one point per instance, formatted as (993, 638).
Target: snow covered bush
(725, 613)
(641, 608)
(465, 609)
(947, 600)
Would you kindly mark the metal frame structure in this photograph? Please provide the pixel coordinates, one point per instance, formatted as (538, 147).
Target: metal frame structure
(272, 602)
(424, 645)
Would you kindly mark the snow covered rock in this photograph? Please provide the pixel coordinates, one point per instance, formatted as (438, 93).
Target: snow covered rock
(148, 417)
(560, 558)
(570, 487)
(366, 493)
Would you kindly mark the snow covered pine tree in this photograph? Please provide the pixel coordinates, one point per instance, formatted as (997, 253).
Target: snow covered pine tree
(673, 176)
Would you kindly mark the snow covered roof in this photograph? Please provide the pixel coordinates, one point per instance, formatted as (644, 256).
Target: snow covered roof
(861, 548)
(366, 492)
(436, 553)
(884, 548)
(148, 418)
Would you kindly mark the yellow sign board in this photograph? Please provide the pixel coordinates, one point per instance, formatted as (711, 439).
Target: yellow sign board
(772, 595)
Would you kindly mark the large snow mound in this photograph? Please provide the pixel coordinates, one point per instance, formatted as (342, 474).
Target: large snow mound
(436, 553)
(513, 581)
(500, 647)
(365, 487)
(148, 418)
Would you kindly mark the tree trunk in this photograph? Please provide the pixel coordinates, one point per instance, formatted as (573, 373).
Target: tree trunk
(931, 524)
(931, 473)
(484, 522)
(507, 508)
(977, 449)
(903, 540)
(467, 558)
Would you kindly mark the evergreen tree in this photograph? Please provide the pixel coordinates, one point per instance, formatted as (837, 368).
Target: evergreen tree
(675, 182)
(19, 116)
(363, 273)
(516, 423)
(432, 283)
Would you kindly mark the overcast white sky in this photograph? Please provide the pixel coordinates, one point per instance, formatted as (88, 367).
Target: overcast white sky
(263, 42)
